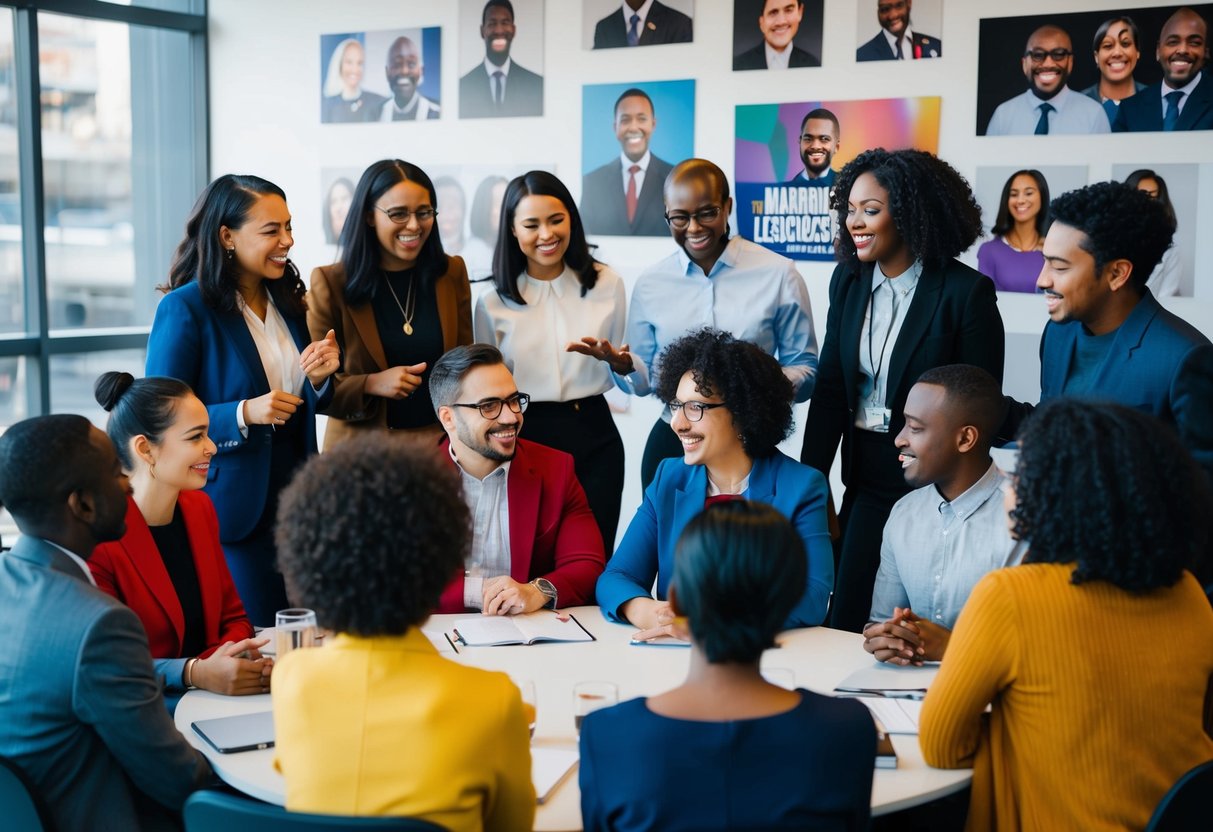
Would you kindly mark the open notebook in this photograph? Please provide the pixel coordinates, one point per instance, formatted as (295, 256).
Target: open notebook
(549, 768)
(493, 630)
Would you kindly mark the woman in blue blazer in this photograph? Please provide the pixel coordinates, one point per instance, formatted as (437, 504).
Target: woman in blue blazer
(731, 405)
(233, 328)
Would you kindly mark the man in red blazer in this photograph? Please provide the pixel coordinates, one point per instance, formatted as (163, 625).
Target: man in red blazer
(534, 540)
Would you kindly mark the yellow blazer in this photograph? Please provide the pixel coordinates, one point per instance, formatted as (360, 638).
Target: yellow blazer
(351, 409)
(386, 726)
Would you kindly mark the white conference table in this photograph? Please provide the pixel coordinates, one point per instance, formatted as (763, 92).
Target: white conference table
(819, 659)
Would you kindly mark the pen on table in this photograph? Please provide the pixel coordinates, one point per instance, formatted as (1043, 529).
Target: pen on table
(459, 638)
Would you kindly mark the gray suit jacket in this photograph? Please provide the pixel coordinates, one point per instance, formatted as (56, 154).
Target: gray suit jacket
(80, 706)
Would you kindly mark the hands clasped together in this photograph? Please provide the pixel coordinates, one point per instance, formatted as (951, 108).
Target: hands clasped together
(906, 639)
(319, 360)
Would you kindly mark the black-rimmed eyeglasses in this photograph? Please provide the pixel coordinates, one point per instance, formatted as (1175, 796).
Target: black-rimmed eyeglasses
(1037, 56)
(692, 410)
(491, 408)
(401, 215)
(679, 220)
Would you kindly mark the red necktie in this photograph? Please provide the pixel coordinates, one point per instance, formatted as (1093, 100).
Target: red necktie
(631, 195)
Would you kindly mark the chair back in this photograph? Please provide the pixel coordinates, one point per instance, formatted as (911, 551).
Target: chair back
(24, 810)
(1186, 806)
(211, 811)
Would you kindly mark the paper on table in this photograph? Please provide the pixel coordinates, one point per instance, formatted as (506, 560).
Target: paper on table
(549, 766)
(543, 625)
(899, 716)
(889, 677)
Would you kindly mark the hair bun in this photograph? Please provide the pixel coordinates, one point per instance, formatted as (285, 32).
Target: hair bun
(110, 387)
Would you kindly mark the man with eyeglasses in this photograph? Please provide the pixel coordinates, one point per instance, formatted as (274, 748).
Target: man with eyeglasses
(896, 41)
(819, 133)
(534, 540)
(405, 70)
(1183, 99)
(1048, 106)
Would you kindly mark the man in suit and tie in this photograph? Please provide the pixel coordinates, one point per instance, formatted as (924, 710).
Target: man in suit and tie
(624, 195)
(498, 86)
(81, 711)
(404, 70)
(779, 21)
(896, 41)
(1183, 99)
(819, 134)
(535, 543)
(642, 23)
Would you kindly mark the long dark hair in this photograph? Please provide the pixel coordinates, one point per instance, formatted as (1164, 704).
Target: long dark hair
(1135, 178)
(360, 249)
(200, 256)
(481, 223)
(1003, 223)
(508, 259)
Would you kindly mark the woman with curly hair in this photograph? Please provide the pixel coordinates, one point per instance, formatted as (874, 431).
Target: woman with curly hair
(1097, 652)
(377, 722)
(233, 328)
(900, 304)
(730, 405)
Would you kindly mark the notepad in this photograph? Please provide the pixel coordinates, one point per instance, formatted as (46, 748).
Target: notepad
(890, 680)
(495, 630)
(886, 755)
(230, 734)
(549, 767)
(899, 716)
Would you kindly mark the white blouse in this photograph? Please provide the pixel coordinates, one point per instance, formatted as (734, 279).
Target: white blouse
(533, 337)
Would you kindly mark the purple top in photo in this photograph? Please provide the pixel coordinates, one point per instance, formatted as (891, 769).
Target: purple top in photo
(1010, 269)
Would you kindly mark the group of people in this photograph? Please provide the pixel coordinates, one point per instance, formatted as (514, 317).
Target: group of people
(428, 499)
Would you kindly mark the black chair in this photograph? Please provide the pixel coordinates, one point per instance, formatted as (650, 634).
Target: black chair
(210, 811)
(1185, 808)
(23, 808)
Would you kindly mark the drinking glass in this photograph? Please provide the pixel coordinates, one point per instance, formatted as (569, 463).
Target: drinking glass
(591, 696)
(293, 628)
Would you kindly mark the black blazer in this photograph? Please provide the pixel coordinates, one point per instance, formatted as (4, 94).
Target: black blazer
(523, 94)
(756, 58)
(663, 25)
(878, 49)
(604, 207)
(1142, 112)
(953, 319)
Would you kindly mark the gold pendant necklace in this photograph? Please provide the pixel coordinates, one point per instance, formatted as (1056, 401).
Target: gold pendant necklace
(410, 302)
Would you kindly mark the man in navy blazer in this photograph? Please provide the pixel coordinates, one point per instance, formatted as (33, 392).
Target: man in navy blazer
(1183, 99)
(81, 711)
(1107, 337)
(654, 23)
(498, 86)
(896, 40)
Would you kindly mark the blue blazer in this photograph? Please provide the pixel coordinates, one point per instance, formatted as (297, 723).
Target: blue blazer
(214, 353)
(1143, 111)
(1158, 363)
(678, 493)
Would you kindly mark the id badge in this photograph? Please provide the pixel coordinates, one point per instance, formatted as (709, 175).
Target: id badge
(877, 418)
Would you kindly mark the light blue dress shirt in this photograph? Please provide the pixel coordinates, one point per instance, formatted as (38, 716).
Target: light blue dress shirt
(1074, 113)
(889, 302)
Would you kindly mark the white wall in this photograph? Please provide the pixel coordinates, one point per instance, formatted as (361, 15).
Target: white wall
(264, 60)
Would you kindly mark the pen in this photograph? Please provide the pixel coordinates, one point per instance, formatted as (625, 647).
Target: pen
(459, 638)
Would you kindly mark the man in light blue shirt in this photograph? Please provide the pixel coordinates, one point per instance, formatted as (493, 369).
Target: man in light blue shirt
(1048, 106)
(941, 538)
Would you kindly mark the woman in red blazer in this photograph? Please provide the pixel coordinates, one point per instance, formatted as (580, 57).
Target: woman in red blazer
(169, 565)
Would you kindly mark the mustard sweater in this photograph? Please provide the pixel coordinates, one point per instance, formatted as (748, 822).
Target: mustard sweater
(1097, 694)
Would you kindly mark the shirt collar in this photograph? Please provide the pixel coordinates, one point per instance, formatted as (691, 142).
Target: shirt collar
(643, 12)
(505, 466)
(907, 36)
(88, 573)
(904, 283)
(977, 494)
(1055, 102)
(643, 161)
(504, 69)
(728, 259)
(532, 287)
(777, 59)
(1186, 89)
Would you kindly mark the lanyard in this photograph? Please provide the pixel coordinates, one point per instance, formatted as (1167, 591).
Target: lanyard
(876, 366)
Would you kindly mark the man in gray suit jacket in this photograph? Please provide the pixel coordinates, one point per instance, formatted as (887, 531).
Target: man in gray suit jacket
(81, 711)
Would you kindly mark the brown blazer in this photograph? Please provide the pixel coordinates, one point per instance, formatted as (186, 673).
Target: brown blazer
(351, 409)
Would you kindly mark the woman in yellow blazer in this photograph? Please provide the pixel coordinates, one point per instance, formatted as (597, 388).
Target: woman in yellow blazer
(396, 302)
(377, 722)
(1097, 652)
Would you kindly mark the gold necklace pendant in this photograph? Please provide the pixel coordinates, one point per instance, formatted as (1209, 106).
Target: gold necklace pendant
(408, 328)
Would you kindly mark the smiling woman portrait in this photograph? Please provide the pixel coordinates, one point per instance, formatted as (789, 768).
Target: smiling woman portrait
(344, 98)
(1116, 54)
(1013, 259)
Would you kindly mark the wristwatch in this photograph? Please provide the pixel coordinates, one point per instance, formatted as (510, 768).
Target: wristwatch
(545, 586)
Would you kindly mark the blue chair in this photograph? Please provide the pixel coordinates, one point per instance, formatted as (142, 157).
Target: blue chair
(211, 811)
(24, 810)
(1185, 808)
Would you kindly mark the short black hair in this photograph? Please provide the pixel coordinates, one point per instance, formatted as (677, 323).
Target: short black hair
(505, 4)
(822, 113)
(1003, 221)
(369, 533)
(1102, 31)
(756, 392)
(1120, 222)
(446, 378)
(632, 92)
(43, 461)
(144, 406)
(1111, 490)
(974, 393)
(739, 569)
(931, 204)
(1164, 196)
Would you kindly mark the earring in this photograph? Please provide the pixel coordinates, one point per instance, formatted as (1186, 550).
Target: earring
(152, 470)
(231, 253)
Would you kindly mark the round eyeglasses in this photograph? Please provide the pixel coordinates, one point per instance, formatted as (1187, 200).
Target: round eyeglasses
(401, 215)
(692, 410)
(491, 408)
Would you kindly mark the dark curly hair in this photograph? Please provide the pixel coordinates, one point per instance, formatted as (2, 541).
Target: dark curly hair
(757, 393)
(1120, 222)
(369, 533)
(43, 460)
(739, 569)
(931, 204)
(1111, 490)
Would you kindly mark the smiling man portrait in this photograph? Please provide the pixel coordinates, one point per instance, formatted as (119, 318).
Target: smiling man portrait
(1183, 99)
(405, 70)
(498, 86)
(779, 22)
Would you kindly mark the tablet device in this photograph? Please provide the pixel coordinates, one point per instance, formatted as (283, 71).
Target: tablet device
(229, 734)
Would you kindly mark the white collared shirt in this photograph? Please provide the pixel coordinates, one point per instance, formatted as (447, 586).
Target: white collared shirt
(488, 500)
(888, 304)
(277, 350)
(775, 58)
(907, 36)
(1186, 89)
(532, 337)
(88, 573)
(642, 13)
(642, 163)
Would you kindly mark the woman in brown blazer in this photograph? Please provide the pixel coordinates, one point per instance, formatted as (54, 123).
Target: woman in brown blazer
(396, 301)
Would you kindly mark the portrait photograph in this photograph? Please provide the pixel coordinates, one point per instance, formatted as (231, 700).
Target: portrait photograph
(899, 30)
(776, 34)
(632, 135)
(1122, 70)
(390, 75)
(1178, 187)
(337, 186)
(500, 58)
(618, 24)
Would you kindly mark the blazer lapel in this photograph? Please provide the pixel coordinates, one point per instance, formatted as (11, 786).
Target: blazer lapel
(363, 316)
(208, 581)
(141, 548)
(1197, 105)
(524, 490)
(762, 480)
(242, 341)
(448, 312)
(855, 303)
(1055, 368)
(914, 327)
(689, 500)
(1128, 338)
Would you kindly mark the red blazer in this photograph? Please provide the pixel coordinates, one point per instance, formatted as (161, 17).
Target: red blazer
(553, 534)
(131, 570)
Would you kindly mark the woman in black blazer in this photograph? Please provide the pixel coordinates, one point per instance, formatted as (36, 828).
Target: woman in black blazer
(905, 216)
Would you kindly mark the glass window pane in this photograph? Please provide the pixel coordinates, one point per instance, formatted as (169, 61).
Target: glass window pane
(73, 376)
(14, 405)
(12, 290)
(188, 6)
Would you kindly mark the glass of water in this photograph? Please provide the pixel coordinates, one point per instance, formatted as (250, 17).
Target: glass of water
(294, 628)
(591, 696)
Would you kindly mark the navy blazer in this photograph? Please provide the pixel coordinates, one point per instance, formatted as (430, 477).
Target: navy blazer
(214, 353)
(756, 58)
(662, 25)
(878, 49)
(604, 207)
(523, 94)
(1142, 112)
(679, 492)
(953, 319)
(1158, 363)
